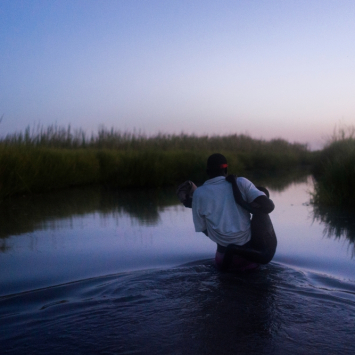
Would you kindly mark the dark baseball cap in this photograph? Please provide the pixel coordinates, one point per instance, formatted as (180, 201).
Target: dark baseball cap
(216, 161)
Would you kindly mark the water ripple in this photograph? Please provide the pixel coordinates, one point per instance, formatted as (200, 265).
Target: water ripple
(192, 309)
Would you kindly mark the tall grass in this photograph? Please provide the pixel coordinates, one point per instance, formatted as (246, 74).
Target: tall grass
(334, 170)
(56, 157)
(27, 170)
(60, 137)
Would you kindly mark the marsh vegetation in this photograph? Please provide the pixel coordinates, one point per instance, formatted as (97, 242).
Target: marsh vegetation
(334, 171)
(56, 157)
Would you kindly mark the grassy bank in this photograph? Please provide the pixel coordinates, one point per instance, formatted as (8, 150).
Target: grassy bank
(334, 171)
(55, 157)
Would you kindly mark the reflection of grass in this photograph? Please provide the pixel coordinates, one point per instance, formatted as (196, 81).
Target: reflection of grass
(55, 158)
(334, 171)
(339, 223)
(278, 180)
(25, 214)
(20, 215)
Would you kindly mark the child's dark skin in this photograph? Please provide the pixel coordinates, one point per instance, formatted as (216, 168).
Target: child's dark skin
(261, 204)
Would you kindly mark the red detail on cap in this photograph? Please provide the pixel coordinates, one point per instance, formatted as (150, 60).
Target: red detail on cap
(223, 166)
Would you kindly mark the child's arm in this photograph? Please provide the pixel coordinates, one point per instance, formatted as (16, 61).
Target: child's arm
(261, 204)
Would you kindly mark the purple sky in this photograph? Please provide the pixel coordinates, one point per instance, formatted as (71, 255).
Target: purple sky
(266, 68)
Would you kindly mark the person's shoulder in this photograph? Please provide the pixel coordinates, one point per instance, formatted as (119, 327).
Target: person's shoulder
(199, 190)
(198, 196)
(243, 181)
(203, 189)
(246, 184)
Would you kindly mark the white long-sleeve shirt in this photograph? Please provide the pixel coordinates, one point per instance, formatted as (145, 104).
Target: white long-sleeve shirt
(215, 210)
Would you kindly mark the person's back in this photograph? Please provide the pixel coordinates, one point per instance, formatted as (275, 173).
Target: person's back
(218, 213)
(214, 210)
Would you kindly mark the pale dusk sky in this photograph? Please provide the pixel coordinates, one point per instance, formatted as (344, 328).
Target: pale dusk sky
(266, 68)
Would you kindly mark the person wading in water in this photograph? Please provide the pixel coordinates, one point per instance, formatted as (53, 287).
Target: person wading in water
(221, 209)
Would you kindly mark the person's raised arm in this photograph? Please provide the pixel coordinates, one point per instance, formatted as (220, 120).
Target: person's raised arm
(263, 204)
(185, 192)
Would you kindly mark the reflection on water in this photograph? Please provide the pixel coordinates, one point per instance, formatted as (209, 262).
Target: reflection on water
(42, 212)
(57, 209)
(338, 224)
(97, 271)
(279, 181)
(71, 235)
(75, 234)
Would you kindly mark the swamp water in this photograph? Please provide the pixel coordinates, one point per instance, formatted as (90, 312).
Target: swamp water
(112, 272)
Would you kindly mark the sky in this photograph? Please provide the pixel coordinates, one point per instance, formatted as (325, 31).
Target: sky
(270, 69)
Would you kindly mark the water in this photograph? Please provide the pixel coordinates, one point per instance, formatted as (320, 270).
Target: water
(96, 271)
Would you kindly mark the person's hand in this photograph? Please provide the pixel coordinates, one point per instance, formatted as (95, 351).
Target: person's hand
(185, 192)
(254, 205)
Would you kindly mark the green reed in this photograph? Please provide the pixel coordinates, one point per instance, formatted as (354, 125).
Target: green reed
(60, 137)
(27, 169)
(334, 171)
(56, 157)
